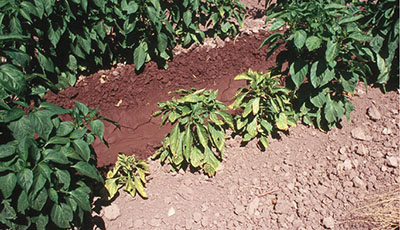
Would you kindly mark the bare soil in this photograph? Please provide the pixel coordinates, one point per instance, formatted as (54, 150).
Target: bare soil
(306, 179)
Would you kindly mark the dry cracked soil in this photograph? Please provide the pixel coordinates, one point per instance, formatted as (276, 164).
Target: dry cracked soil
(306, 179)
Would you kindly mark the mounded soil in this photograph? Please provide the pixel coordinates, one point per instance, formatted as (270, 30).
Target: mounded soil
(306, 179)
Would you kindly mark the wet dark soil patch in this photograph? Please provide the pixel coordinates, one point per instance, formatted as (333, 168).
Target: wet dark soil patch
(130, 98)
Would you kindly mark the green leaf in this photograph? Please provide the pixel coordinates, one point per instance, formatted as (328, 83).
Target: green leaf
(174, 139)
(346, 20)
(56, 156)
(334, 111)
(63, 177)
(8, 183)
(78, 133)
(139, 55)
(187, 18)
(82, 199)
(332, 51)
(65, 128)
(313, 43)
(23, 202)
(25, 179)
(202, 135)
(12, 79)
(132, 7)
(358, 36)
(61, 214)
(88, 170)
(298, 71)
(300, 37)
(38, 202)
(7, 150)
(58, 141)
(281, 122)
(7, 211)
(41, 120)
(278, 23)
(53, 108)
(97, 128)
(82, 148)
(264, 141)
(45, 62)
(82, 107)
(187, 145)
(319, 100)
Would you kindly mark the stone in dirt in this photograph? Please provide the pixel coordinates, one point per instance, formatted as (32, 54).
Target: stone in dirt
(358, 133)
(171, 211)
(361, 150)
(358, 182)
(393, 161)
(328, 222)
(112, 212)
(374, 113)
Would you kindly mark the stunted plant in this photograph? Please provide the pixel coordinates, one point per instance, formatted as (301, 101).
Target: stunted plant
(198, 135)
(265, 105)
(127, 172)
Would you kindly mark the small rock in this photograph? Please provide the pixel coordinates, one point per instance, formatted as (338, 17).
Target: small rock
(361, 150)
(358, 133)
(342, 150)
(386, 131)
(347, 164)
(196, 217)
(253, 205)
(171, 211)
(112, 212)
(358, 182)
(374, 113)
(392, 161)
(383, 168)
(328, 222)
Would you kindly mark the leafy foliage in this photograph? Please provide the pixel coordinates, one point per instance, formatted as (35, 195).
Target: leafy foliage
(266, 107)
(47, 168)
(62, 38)
(382, 21)
(199, 121)
(192, 16)
(327, 55)
(127, 172)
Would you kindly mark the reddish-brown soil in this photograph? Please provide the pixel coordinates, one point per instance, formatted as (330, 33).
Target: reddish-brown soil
(130, 98)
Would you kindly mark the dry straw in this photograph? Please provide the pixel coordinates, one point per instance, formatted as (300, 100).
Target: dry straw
(380, 211)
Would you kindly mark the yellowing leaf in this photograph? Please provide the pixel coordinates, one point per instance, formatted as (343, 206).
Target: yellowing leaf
(140, 188)
(112, 187)
(281, 122)
(256, 105)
